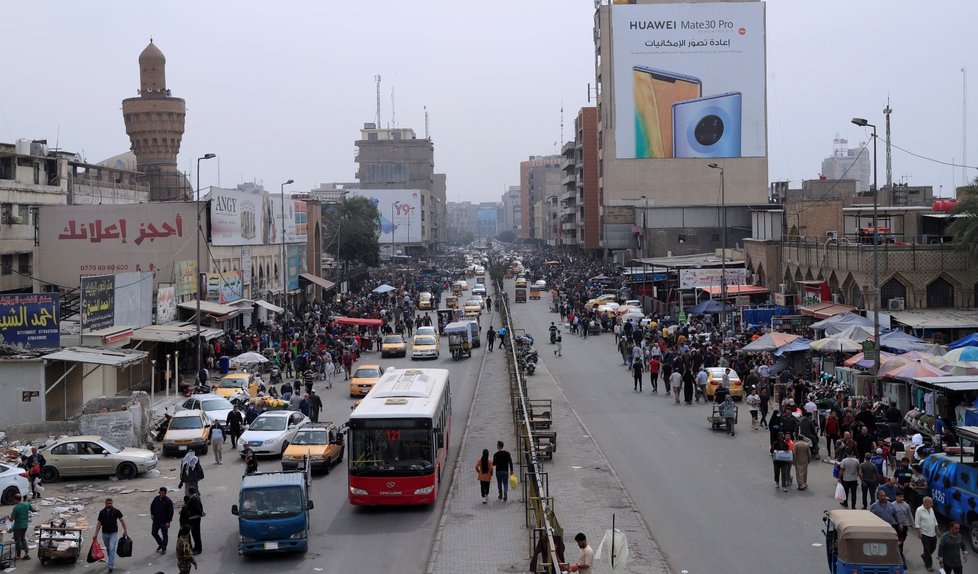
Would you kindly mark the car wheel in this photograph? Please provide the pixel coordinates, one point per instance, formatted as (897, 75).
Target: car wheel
(7, 498)
(973, 535)
(126, 471)
(50, 474)
(202, 451)
(285, 445)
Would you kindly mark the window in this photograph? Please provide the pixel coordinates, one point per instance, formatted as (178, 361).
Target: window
(6, 264)
(24, 212)
(372, 136)
(7, 213)
(892, 289)
(940, 293)
(24, 263)
(69, 448)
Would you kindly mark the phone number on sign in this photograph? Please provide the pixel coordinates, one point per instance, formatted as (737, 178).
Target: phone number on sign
(106, 267)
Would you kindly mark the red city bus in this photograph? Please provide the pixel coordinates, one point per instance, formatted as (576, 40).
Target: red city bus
(398, 439)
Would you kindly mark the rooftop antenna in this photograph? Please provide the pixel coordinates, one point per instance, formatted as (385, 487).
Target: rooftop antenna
(393, 110)
(561, 122)
(377, 81)
(427, 132)
(964, 126)
(889, 156)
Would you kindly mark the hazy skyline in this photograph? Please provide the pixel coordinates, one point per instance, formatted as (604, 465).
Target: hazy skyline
(282, 93)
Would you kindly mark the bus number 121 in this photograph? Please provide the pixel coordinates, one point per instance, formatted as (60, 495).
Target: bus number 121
(393, 435)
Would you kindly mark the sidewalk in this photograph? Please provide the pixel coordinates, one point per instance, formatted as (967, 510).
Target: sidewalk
(493, 538)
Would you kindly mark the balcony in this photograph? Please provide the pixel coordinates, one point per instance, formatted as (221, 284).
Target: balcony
(909, 254)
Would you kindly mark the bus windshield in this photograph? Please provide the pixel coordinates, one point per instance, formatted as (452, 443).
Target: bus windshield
(397, 447)
(276, 501)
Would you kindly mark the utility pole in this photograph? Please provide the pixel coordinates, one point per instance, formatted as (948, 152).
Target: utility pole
(889, 156)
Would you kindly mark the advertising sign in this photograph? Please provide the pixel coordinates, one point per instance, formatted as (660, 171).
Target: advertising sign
(689, 80)
(97, 302)
(185, 277)
(76, 240)
(133, 299)
(693, 278)
(400, 214)
(224, 287)
(30, 320)
(166, 304)
(295, 256)
(246, 265)
(295, 219)
(240, 217)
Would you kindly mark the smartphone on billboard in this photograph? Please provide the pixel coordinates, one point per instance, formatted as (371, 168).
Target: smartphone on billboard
(707, 127)
(655, 93)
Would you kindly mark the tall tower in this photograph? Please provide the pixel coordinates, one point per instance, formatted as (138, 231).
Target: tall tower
(154, 123)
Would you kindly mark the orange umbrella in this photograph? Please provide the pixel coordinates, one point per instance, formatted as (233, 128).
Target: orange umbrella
(860, 356)
(914, 370)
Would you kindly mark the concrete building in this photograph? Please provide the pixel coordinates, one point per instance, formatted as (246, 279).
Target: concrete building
(846, 190)
(579, 203)
(487, 224)
(848, 163)
(527, 209)
(681, 193)
(512, 210)
(31, 176)
(155, 124)
(463, 216)
(543, 189)
(439, 198)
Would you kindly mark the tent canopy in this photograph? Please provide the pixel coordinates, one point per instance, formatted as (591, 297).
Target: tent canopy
(381, 289)
(710, 306)
(966, 341)
(800, 344)
(769, 342)
(838, 323)
(903, 342)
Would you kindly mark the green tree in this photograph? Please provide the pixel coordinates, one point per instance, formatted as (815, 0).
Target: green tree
(352, 225)
(965, 227)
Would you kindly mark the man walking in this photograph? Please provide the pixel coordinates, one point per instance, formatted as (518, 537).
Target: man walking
(316, 405)
(802, 458)
(108, 524)
(925, 521)
(490, 338)
(654, 366)
(849, 478)
(161, 511)
(195, 511)
(20, 516)
(502, 461)
(217, 438)
(753, 403)
(904, 520)
(869, 478)
(637, 375)
(235, 422)
(676, 383)
(951, 552)
(560, 346)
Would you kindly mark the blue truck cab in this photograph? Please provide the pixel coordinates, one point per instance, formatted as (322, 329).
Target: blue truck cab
(953, 482)
(273, 512)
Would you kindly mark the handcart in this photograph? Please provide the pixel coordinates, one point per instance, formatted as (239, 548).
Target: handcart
(58, 542)
(717, 420)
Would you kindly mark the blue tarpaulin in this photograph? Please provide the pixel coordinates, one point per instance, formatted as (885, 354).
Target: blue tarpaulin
(710, 306)
(966, 341)
(902, 342)
(800, 344)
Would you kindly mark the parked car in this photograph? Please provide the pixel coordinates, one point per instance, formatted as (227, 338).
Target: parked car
(393, 346)
(323, 443)
(238, 383)
(714, 376)
(215, 407)
(363, 379)
(91, 455)
(187, 430)
(272, 432)
(13, 479)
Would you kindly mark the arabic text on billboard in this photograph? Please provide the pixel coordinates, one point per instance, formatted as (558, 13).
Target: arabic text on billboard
(185, 277)
(239, 217)
(693, 278)
(224, 287)
(166, 304)
(689, 80)
(30, 320)
(97, 302)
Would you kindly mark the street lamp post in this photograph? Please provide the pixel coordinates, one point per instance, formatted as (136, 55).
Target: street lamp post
(876, 267)
(285, 276)
(723, 243)
(197, 277)
(393, 206)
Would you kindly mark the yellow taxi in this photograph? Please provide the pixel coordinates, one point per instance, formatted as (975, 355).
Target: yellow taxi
(424, 346)
(188, 430)
(237, 383)
(426, 301)
(461, 286)
(602, 300)
(714, 376)
(521, 282)
(430, 331)
(322, 442)
(393, 346)
(451, 302)
(472, 308)
(363, 379)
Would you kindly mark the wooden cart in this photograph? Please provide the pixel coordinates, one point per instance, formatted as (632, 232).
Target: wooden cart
(59, 542)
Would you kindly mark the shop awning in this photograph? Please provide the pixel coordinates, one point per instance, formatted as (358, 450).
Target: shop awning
(168, 333)
(97, 356)
(825, 310)
(210, 308)
(736, 290)
(269, 306)
(937, 318)
(324, 283)
(953, 383)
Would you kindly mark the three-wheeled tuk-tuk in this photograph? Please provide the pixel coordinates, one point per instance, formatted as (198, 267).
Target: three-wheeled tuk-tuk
(459, 336)
(859, 542)
(521, 295)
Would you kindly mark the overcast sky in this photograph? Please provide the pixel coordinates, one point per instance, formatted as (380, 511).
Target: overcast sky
(280, 90)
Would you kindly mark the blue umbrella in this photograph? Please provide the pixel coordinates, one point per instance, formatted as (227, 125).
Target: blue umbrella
(800, 344)
(966, 341)
(385, 288)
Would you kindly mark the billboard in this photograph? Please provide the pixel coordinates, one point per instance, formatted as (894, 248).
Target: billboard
(76, 240)
(97, 302)
(185, 277)
(694, 278)
(166, 304)
(400, 214)
(133, 305)
(30, 320)
(239, 217)
(295, 219)
(689, 80)
(224, 287)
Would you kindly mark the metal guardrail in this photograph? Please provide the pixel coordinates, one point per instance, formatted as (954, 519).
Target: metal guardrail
(536, 497)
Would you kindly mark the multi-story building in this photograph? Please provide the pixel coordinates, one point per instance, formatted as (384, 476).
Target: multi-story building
(512, 210)
(848, 163)
(579, 209)
(462, 216)
(31, 176)
(543, 190)
(527, 208)
(487, 226)
(439, 198)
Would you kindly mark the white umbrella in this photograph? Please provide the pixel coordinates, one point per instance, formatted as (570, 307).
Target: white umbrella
(249, 358)
(836, 344)
(385, 288)
(617, 548)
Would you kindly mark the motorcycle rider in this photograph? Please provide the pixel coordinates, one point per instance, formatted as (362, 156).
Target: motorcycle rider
(553, 333)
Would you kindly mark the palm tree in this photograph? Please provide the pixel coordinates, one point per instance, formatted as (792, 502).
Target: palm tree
(965, 227)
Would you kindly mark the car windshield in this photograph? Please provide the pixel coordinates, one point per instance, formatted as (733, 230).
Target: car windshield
(473, 303)
(424, 341)
(388, 340)
(366, 374)
(184, 423)
(269, 424)
(271, 501)
(310, 437)
(216, 405)
(228, 383)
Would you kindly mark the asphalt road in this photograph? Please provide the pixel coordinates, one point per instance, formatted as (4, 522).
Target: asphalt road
(709, 499)
(343, 538)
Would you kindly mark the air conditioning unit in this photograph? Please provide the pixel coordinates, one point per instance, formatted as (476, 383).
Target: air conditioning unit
(837, 298)
(832, 234)
(897, 304)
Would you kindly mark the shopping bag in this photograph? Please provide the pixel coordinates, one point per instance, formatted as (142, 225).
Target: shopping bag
(513, 482)
(95, 552)
(840, 492)
(124, 548)
(835, 471)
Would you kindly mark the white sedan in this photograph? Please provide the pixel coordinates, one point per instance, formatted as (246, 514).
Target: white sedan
(13, 479)
(271, 432)
(215, 407)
